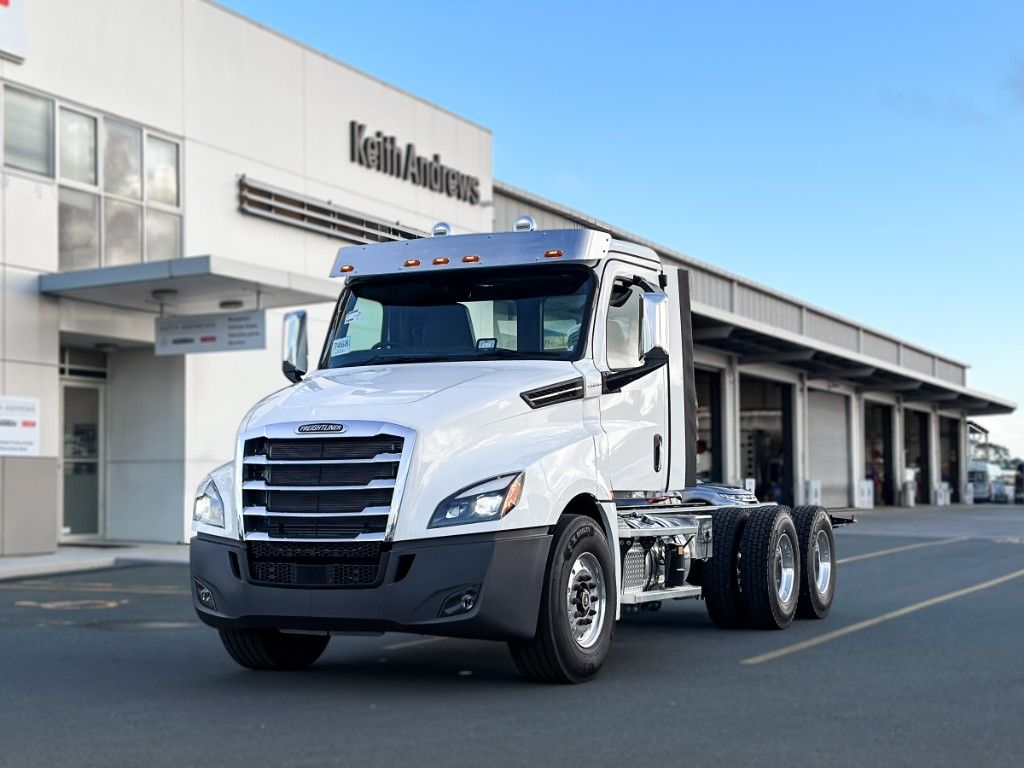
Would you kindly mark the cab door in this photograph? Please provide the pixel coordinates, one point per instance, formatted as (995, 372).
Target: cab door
(634, 399)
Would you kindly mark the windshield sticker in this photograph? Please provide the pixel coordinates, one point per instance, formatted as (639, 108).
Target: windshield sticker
(487, 344)
(341, 346)
(352, 316)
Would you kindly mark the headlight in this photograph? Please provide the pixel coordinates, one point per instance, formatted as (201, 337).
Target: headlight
(490, 500)
(209, 507)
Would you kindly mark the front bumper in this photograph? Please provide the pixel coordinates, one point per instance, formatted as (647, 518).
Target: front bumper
(505, 571)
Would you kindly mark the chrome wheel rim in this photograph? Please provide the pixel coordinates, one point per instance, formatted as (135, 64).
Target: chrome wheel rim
(785, 568)
(822, 557)
(585, 600)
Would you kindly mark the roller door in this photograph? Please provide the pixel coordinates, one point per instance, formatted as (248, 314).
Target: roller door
(828, 445)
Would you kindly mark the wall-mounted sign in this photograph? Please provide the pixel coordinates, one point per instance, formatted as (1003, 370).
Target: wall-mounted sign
(225, 332)
(19, 425)
(13, 38)
(383, 154)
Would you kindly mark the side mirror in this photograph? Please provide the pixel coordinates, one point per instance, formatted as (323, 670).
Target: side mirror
(294, 347)
(655, 323)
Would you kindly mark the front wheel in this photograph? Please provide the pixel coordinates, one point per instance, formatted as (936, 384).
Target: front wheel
(577, 609)
(265, 649)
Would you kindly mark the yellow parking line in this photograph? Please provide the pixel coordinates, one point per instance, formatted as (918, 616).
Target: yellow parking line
(868, 623)
(894, 550)
(413, 643)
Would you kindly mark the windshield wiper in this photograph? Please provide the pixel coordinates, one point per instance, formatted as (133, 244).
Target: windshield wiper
(512, 354)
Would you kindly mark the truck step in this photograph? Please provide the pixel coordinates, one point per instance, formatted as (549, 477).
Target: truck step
(653, 595)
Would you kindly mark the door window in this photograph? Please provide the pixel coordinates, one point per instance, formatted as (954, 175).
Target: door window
(623, 334)
(81, 451)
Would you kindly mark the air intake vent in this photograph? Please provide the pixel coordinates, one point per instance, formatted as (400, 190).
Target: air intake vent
(562, 392)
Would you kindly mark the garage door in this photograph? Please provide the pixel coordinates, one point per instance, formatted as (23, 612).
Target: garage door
(829, 445)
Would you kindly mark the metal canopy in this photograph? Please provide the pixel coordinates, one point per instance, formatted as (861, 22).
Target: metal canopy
(822, 362)
(192, 285)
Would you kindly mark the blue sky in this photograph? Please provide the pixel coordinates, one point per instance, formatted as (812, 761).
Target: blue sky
(867, 157)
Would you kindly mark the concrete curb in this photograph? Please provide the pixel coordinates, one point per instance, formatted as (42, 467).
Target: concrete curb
(58, 563)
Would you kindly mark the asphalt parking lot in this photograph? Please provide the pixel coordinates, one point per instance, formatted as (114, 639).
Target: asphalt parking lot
(920, 663)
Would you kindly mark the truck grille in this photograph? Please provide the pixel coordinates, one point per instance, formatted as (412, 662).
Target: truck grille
(318, 488)
(346, 564)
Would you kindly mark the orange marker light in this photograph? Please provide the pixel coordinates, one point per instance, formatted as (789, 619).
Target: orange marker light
(471, 259)
(412, 263)
(552, 254)
(440, 260)
(346, 268)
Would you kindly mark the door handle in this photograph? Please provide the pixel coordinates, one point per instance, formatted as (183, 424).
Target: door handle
(657, 453)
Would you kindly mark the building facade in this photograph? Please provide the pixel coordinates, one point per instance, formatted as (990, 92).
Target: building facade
(163, 161)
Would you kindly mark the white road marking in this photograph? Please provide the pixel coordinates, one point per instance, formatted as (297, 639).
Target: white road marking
(895, 550)
(414, 643)
(72, 605)
(868, 623)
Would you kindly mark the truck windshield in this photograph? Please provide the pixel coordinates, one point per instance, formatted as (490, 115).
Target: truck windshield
(531, 313)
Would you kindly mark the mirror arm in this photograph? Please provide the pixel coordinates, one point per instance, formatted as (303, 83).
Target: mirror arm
(291, 372)
(614, 381)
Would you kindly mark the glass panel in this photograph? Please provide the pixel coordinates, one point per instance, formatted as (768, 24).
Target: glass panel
(462, 315)
(163, 236)
(81, 497)
(77, 147)
(623, 336)
(28, 132)
(562, 320)
(122, 233)
(78, 230)
(161, 171)
(122, 159)
(81, 460)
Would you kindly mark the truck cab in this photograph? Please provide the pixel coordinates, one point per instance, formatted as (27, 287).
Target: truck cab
(495, 442)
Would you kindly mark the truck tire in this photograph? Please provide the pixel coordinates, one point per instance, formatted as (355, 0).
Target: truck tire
(270, 649)
(817, 562)
(577, 607)
(719, 579)
(769, 568)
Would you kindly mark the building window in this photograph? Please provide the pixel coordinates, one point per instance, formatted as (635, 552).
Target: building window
(161, 171)
(122, 233)
(122, 159)
(79, 229)
(119, 196)
(28, 132)
(77, 147)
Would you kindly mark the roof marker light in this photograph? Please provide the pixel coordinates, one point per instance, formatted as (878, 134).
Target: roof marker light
(554, 253)
(524, 224)
(347, 268)
(440, 261)
(471, 259)
(411, 263)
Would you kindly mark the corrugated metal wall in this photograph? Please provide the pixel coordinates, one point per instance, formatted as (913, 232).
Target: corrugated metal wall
(724, 292)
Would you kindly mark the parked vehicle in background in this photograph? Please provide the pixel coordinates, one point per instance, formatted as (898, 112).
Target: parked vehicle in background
(1018, 485)
(986, 477)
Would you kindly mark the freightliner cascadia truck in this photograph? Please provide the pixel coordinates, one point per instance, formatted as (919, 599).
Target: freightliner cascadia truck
(497, 441)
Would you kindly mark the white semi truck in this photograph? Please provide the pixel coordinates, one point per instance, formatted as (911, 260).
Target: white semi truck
(497, 441)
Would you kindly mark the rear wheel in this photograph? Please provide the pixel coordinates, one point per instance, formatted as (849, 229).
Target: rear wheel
(769, 568)
(817, 561)
(719, 577)
(577, 610)
(270, 649)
